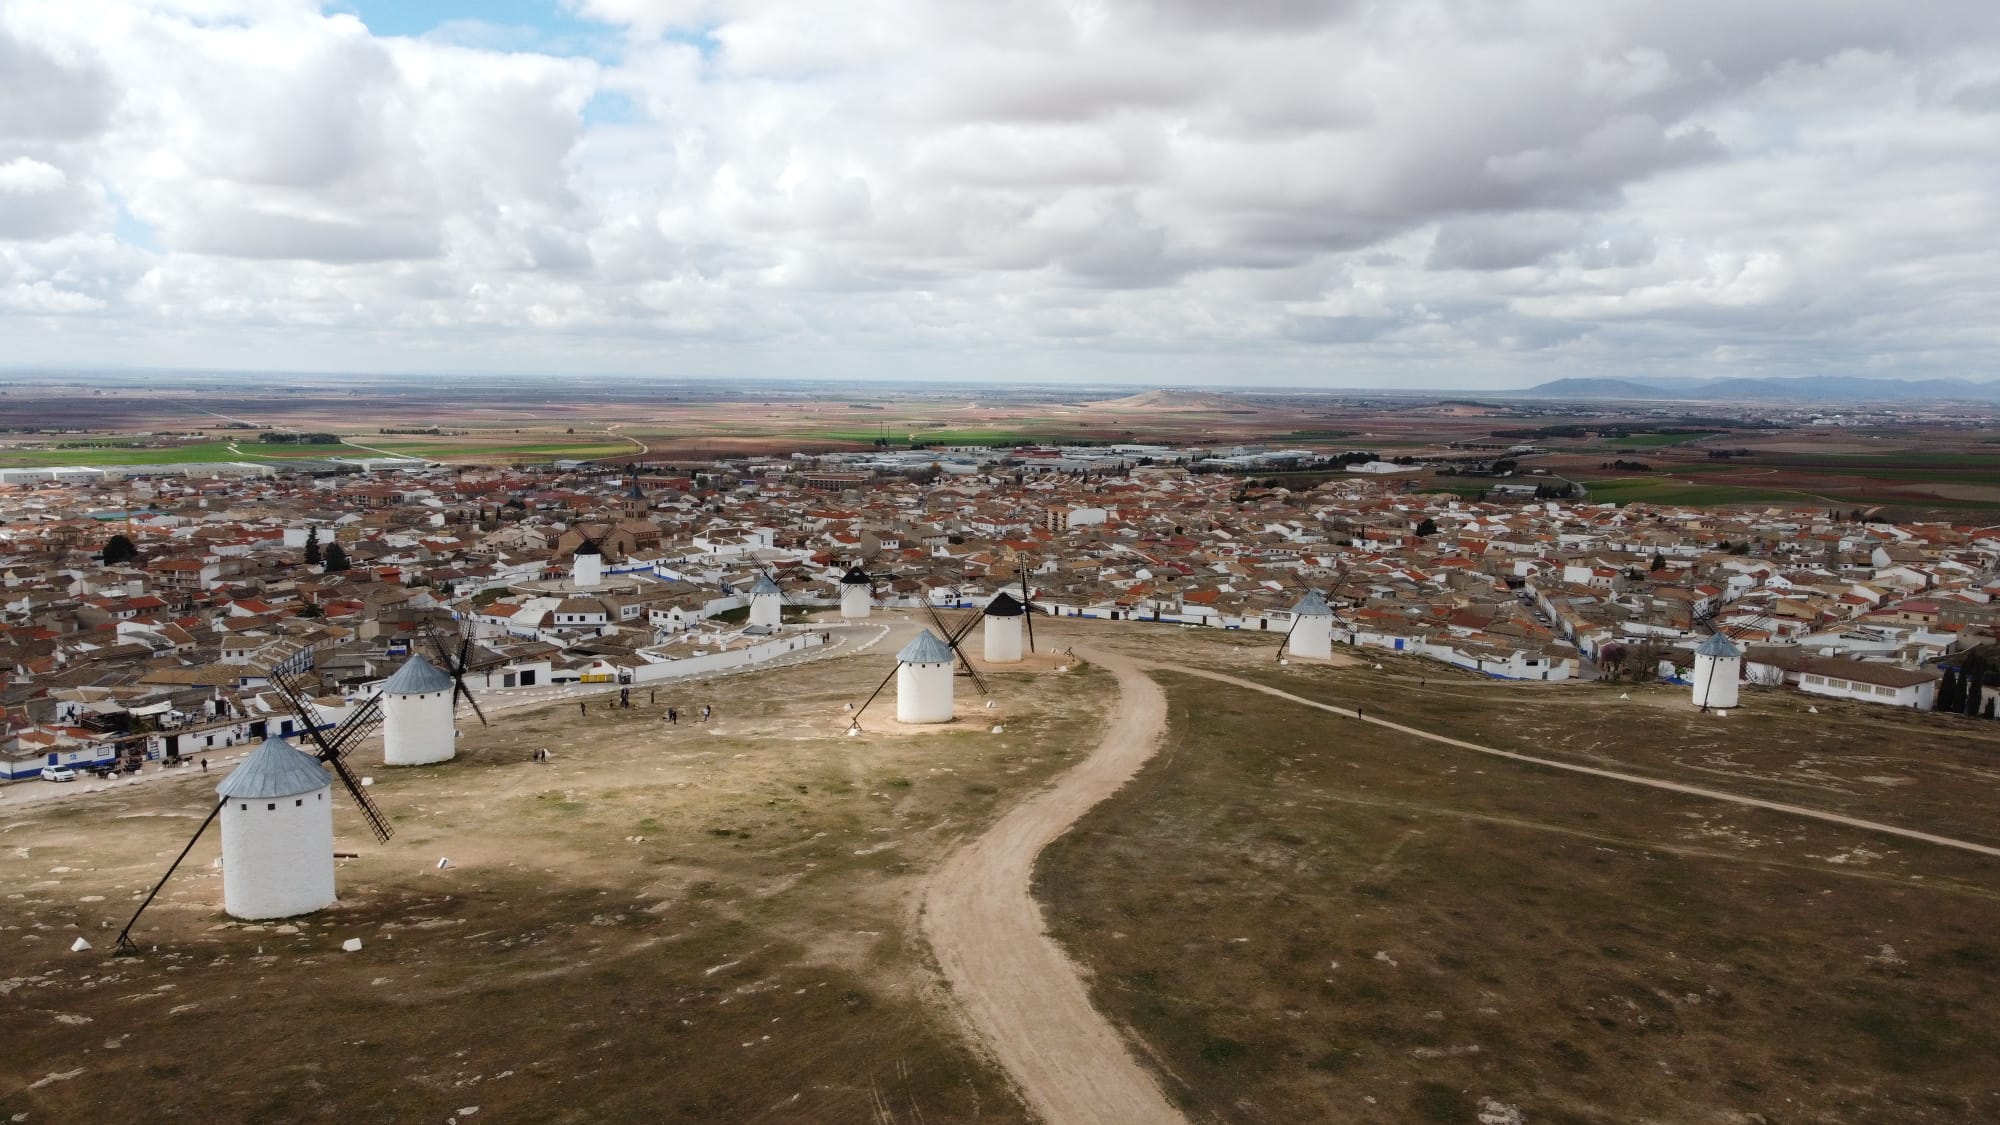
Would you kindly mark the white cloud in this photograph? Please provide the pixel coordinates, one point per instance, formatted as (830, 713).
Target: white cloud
(1271, 189)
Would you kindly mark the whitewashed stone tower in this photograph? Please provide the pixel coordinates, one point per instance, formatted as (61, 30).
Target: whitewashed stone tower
(277, 834)
(1718, 669)
(418, 715)
(1312, 634)
(856, 596)
(1004, 615)
(767, 602)
(923, 682)
(586, 567)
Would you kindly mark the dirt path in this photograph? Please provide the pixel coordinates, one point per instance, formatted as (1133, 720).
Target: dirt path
(1012, 983)
(1614, 775)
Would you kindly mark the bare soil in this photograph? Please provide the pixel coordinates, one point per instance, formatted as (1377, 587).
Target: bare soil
(699, 923)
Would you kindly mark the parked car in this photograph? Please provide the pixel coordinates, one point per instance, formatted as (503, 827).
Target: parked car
(58, 773)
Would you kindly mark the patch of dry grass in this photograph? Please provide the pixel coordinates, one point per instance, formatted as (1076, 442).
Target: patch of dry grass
(1303, 918)
(665, 924)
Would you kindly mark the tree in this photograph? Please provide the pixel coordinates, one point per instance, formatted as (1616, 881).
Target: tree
(1970, 677)
(336, 558)
(118, 549)
(1427, 528)
(1950, 693)
(312, 546)
(1659, 562)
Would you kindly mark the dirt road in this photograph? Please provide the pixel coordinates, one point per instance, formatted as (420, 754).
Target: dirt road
(1014, 986)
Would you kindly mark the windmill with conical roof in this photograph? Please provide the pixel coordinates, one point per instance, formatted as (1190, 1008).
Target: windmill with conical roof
(923, 673)
(420, 704)
(1718, 664)
(277, 834)
(586, 563)
(1003, 616)
(767, 601)
(277, 820)
(1313, 618)
(857, 592)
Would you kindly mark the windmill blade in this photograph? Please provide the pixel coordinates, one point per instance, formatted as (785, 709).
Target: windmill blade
(308, 716)
(953, 641)
(459, 689)
(458, 684)
(964, 628)
(1287, 642)
(125, 943)
(358, 725)
(937, 619)
(1028, 609)
(856, 719)
(373, 815)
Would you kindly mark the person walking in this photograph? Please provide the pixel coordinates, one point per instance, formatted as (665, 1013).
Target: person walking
(625, 699)
(582, 708)
(204, 765)
(706, 711)
(674, 716)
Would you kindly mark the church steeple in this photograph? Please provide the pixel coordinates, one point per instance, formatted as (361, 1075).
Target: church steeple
(637, 506)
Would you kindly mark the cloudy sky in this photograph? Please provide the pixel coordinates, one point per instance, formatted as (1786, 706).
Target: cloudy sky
(1262, 192)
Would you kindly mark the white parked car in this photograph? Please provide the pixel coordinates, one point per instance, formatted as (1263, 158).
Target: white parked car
(58, 773)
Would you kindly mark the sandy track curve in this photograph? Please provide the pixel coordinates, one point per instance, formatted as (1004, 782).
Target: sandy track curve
(1594, 771)
(1013, 985)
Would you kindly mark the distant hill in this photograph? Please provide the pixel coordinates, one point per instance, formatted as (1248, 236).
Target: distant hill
(1173, 400)
(1828, 388)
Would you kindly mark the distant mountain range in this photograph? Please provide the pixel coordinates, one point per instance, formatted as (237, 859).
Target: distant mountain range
(1829, 388)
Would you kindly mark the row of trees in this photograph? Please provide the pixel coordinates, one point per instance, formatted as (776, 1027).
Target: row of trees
(1959, 693)
(331, 558)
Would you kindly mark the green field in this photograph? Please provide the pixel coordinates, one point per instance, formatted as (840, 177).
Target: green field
(902, 434)
(169, 455)
(528, 450)
(1642, 441)
(1626, 490)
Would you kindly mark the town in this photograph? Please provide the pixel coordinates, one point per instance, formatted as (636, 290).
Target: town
(143, 611)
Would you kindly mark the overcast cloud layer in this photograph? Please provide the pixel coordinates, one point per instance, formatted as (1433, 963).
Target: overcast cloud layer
(1415, 193)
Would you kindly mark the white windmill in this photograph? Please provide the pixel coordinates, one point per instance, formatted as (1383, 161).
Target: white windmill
(586, 563)
(420, 706)
(1004, 616)
(1718, 670)
(923, 675)
(1311, 633)
(857, 594)
(277, 823)
(767, 602)
(1313, 619)
(923, 680)
(277, 834)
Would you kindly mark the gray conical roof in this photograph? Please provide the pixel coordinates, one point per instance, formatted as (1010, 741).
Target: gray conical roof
(274, 769)
(926, 649)
(765, 587)
(1718, 646)
(417, 676)
(1004, 604)
(1312, 605)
